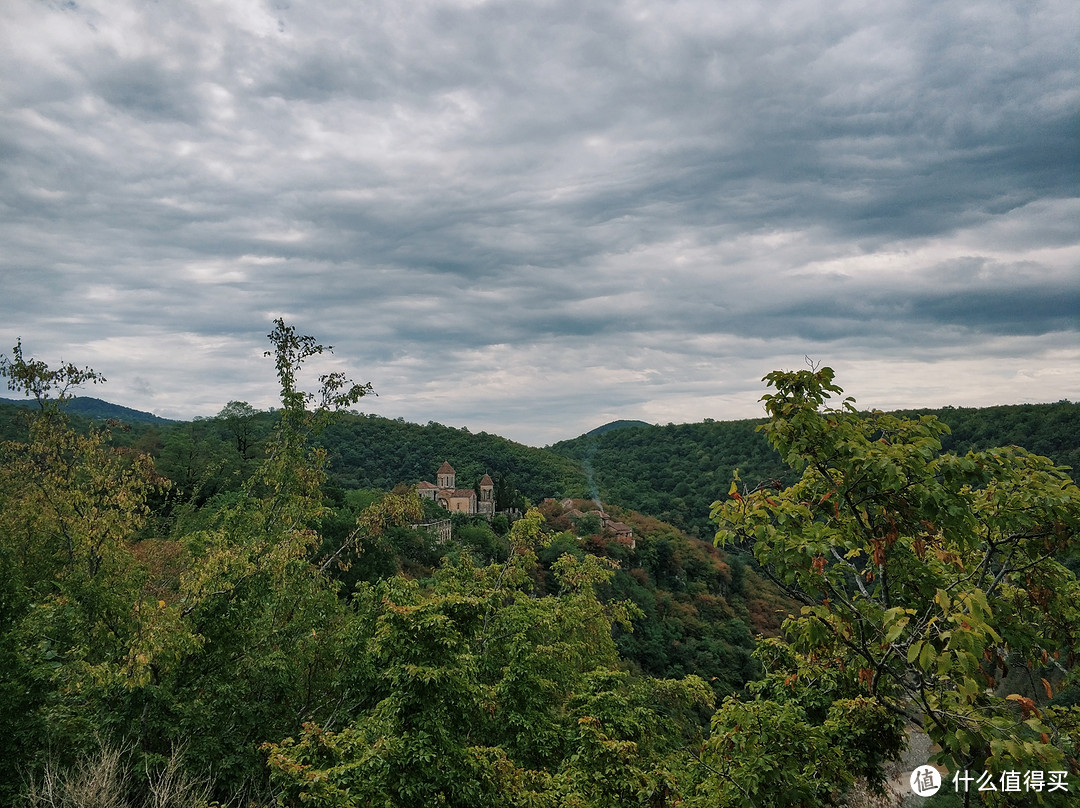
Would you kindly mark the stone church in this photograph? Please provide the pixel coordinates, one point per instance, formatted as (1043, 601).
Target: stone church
(459, 500)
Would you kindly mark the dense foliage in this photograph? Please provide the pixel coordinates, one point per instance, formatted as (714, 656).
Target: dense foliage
(697, 609)
(930, 576)
(670, 472)
(205, 612)
(369, 451)
(673, 472)
(211, 631)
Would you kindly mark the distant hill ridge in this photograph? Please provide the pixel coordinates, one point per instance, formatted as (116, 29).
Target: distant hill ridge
(675, 472)
(96, 408)
(608, 427)
(672, 472)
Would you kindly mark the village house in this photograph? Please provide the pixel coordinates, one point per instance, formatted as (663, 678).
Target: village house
(623, 532)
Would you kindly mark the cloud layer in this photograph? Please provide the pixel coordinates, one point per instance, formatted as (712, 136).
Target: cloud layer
(533, 217)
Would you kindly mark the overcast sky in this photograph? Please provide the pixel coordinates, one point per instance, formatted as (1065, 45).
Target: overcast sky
(531, 218)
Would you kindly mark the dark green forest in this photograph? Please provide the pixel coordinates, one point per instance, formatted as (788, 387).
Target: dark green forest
(674, 472)
(246, 610)
(374, 452)
(96, 409)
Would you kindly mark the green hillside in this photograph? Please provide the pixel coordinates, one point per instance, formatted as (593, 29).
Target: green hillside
(263, 617)
(96, 409)
(673, 473)
(676, 472)
(608, 427)
(369, 451)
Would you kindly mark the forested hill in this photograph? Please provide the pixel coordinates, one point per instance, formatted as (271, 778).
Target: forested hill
(96, 409)
(672, 472)
(676, 472)
(369, 451)
(600, 430)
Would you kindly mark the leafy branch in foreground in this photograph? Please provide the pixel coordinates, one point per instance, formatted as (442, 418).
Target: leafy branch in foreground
(484, 693)
(34, 377)
(213, 640)
(928, 576)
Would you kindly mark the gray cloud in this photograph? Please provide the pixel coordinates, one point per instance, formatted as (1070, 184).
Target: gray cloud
(533, 217)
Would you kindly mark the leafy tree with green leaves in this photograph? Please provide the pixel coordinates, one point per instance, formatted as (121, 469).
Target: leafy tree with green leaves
(588, 524)
(199, 464)
(483, 695)
(71, 509)
(110, 642)
(923, 575)
(268, 635)
(808, 730)
(239, 419)
(50, 388)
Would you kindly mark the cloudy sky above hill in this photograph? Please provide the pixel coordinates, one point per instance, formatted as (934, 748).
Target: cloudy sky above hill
(530, 218)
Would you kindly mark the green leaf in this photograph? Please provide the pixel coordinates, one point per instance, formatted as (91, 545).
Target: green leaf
(927, 655)
(897, 629)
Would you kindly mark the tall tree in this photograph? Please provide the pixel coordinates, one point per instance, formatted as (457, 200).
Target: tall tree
(110, 638)
(239, 419)
(71, 511)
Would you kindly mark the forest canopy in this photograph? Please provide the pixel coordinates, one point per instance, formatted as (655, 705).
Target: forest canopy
(237, 627)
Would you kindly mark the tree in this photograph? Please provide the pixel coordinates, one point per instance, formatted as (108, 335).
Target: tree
(923, 575)
(34, 378)
(239, 417)
(484, 694)
(71, 616)
(588, 524)
(106, 639)
(269, 637)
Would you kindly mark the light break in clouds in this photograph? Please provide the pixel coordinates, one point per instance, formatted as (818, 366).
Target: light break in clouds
(530, 218)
